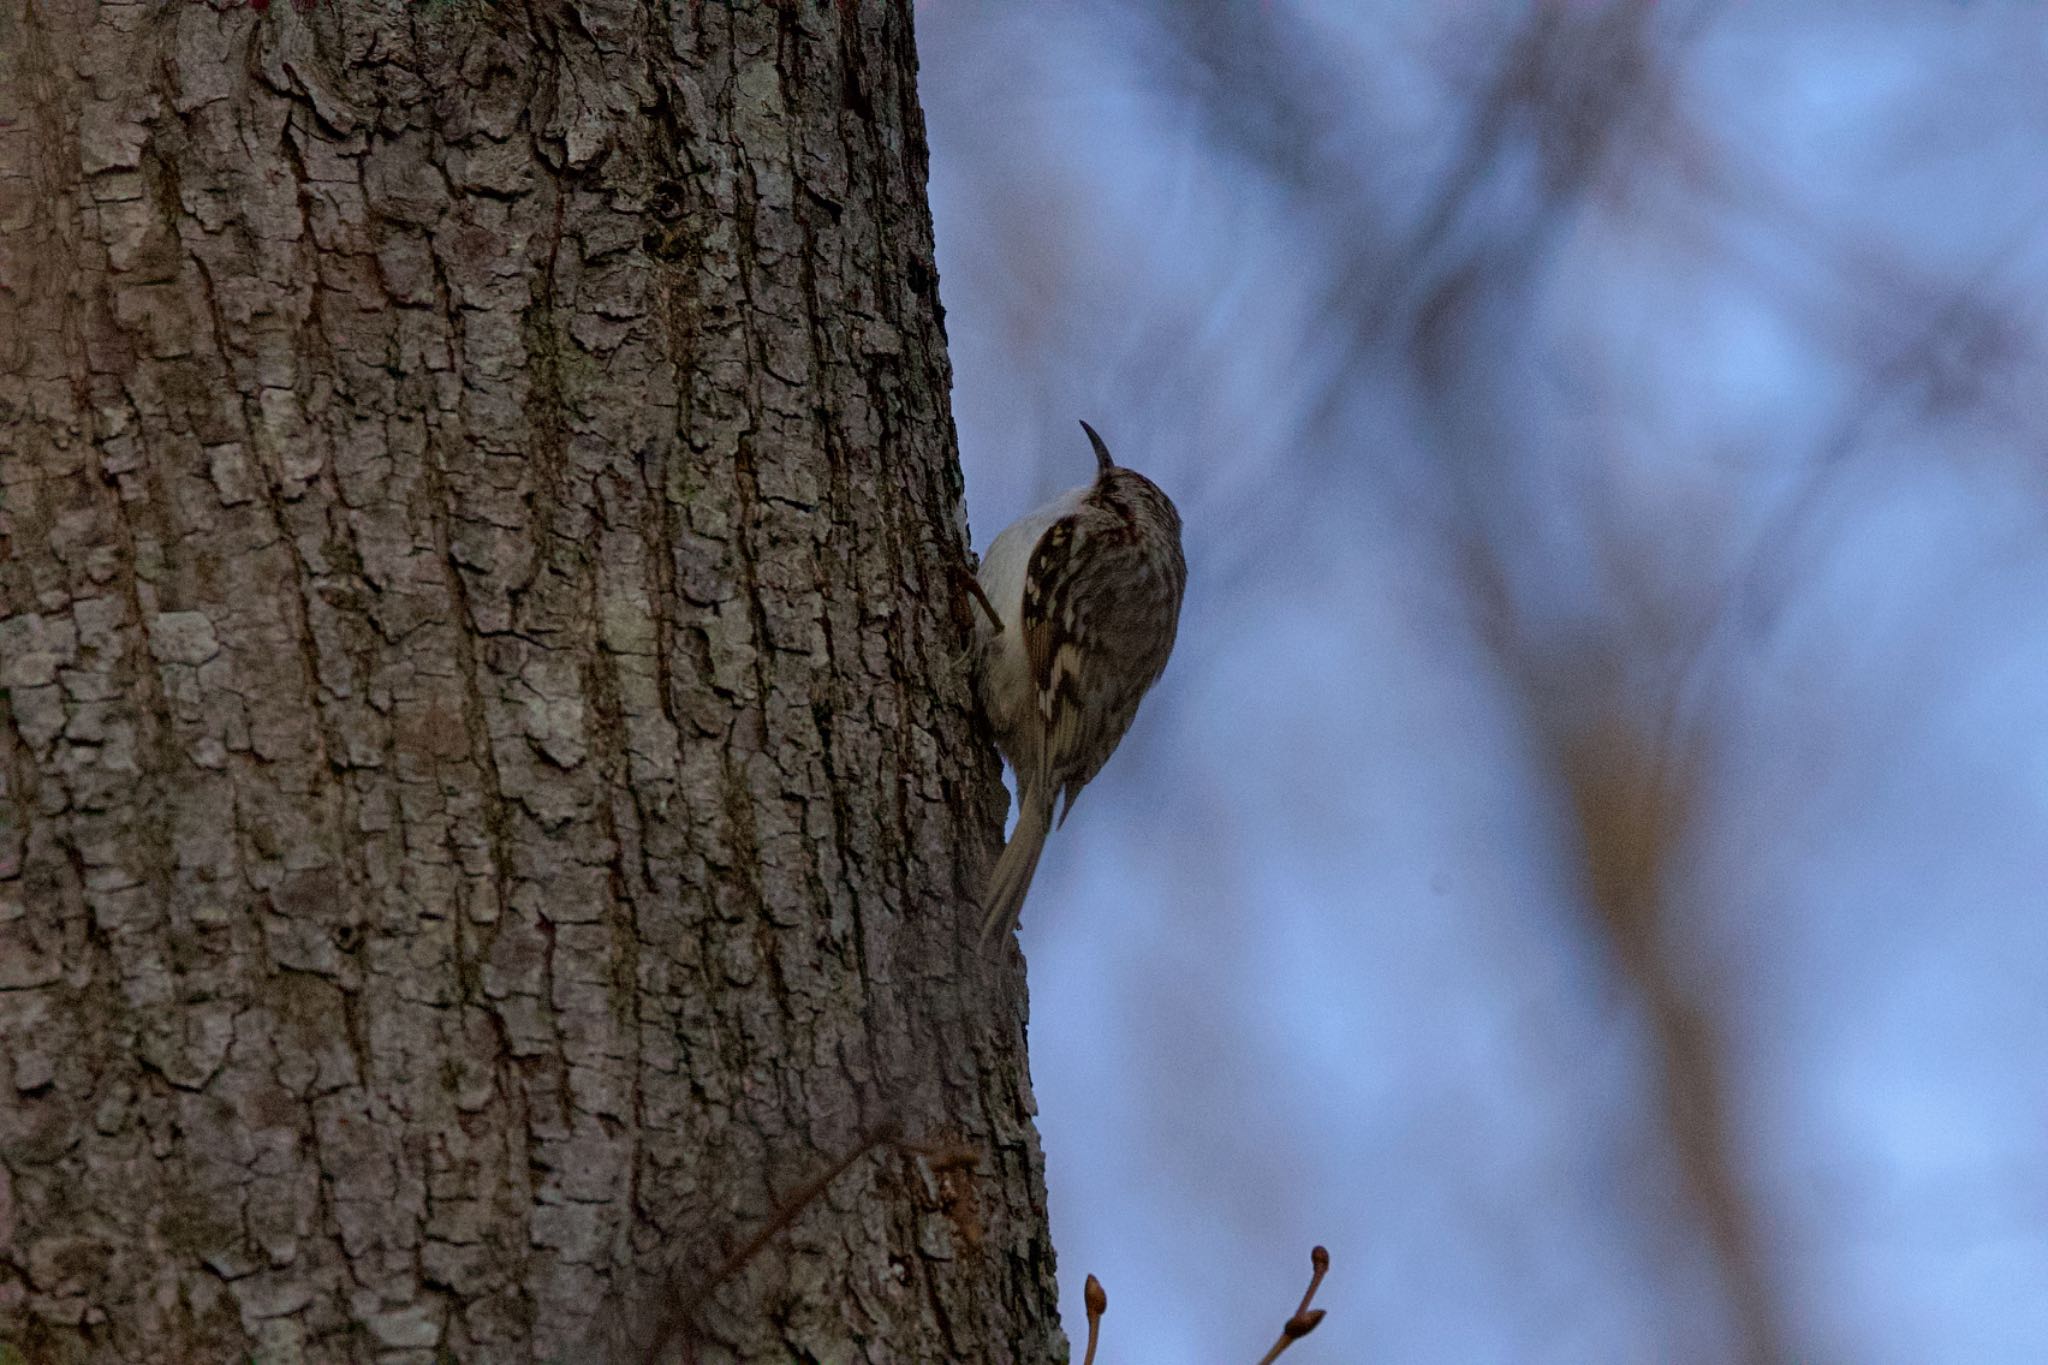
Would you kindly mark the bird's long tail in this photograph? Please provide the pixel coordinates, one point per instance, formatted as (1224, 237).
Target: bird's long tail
(1011, 880)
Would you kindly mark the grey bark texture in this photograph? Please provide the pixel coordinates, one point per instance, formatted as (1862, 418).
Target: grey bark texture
(489, 802)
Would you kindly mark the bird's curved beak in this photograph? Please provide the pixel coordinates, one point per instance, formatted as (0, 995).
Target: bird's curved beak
(1102, 461)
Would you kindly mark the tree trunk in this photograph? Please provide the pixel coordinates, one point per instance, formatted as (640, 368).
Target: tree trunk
(489, 803)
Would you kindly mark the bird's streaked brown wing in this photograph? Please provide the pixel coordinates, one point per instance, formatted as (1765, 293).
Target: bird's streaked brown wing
(1051, 646)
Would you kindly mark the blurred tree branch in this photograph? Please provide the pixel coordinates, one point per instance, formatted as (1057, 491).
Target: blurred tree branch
(1574, 83)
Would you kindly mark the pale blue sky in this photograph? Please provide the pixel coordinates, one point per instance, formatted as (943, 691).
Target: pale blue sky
(1750, 416)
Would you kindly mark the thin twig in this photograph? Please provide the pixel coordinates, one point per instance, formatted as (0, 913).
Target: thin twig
(1305, 1319)
(681, 1316)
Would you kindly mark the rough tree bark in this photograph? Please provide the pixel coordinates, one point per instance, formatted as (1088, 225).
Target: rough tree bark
(488, 799)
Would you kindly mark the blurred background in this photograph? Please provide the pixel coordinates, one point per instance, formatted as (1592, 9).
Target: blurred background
(1585, 863)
